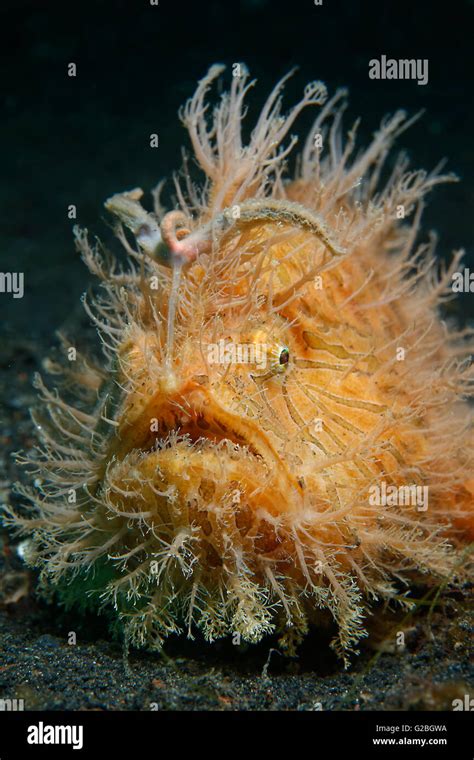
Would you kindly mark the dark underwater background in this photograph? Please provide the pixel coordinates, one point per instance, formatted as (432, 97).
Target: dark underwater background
(79, 140)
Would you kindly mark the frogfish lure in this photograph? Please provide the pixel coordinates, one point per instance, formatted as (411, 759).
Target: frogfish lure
(276, 428)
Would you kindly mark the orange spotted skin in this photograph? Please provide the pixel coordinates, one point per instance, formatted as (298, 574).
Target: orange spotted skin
(279, 424)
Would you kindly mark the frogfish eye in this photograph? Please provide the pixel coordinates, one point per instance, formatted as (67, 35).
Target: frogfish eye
(284, 356)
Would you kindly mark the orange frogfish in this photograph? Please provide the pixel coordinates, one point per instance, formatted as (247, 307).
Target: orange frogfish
(277, 426)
